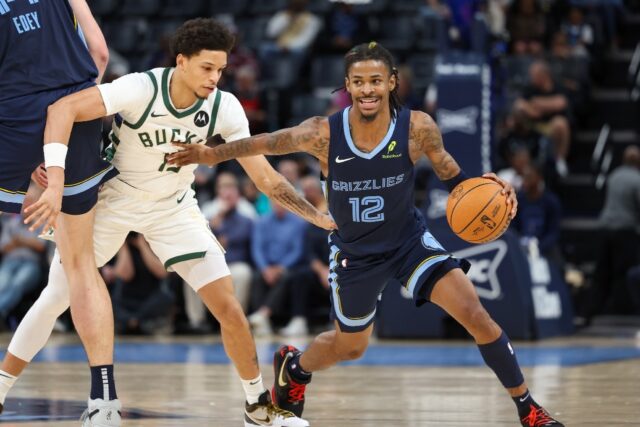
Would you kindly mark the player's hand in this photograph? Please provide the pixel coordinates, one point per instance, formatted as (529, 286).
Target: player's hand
(507, 189)
(39, 176)
(327, 222)
(191, 154)
(45, 211)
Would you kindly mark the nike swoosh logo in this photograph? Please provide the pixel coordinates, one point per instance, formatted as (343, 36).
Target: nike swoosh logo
(339, 160)
(6, 376)
(266, 421)
(182, 198)
(524, 398)
(250, 383)
(281, 377)
(153, 114)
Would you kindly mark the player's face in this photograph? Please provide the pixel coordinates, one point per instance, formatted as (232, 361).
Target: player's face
(203, 70)
(369, 83)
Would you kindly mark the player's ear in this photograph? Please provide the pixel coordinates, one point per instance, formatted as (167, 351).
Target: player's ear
(346, 84)
(393, 81)
(180, 60)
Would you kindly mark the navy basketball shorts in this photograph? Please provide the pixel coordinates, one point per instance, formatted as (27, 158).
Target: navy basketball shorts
(357, 282)
(22, 123)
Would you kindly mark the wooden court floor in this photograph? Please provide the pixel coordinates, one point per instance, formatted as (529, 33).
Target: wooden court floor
(419, 384)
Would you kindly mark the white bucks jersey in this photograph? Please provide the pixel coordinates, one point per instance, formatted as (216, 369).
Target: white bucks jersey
(146, 123)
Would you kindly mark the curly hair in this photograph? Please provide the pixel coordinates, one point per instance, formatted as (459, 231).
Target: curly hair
(375, 51)
(201, 34)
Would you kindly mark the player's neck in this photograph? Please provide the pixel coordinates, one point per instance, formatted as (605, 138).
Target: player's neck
(181, 96)
(367, 133)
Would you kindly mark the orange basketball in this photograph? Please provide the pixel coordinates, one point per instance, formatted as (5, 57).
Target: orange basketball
(477, 211)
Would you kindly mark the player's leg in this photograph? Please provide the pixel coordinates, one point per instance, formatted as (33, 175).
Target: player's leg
(35, 328)
(192, 251)
(354, 297)
(218, 295)
(455, 293)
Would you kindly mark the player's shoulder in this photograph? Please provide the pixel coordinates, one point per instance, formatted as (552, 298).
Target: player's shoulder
(319, 123)
(421, 119)
(227, 100)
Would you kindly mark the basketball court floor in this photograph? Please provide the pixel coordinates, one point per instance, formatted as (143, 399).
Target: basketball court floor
(188, 382)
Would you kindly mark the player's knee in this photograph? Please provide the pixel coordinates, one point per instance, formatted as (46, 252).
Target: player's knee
(478, 319)
(53, 301)
(231, 317)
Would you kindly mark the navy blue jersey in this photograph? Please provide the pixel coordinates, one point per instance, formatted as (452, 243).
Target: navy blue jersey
(41, 49)
(371, 194)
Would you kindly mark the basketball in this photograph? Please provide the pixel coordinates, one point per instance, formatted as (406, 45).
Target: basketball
(477, 211)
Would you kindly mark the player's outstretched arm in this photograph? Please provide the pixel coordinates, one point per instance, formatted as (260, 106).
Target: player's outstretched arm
(78, 107)
(425, 138)
(310, 136)
(276, 187)
(93, 35)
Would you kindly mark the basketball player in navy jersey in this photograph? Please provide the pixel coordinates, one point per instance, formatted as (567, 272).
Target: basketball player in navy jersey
(367, 153)
(43, 57)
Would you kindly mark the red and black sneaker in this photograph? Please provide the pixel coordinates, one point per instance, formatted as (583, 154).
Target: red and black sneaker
(539, 417)
(287, 392)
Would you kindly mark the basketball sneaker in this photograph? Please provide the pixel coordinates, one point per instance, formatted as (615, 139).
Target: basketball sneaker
(265, 413)
(102, 413)
(287, 392)
(539, 417)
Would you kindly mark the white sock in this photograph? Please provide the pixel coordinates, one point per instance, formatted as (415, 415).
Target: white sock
(253, 388)
(6, 382)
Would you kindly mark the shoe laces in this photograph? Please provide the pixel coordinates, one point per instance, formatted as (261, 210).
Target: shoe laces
(538, 417)
(296, 391)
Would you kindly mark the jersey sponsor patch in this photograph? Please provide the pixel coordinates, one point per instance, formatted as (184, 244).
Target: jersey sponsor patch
(201, 119)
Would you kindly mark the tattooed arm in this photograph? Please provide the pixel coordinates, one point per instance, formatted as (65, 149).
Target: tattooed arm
(310, 136)
(276, 187)
(425, 138)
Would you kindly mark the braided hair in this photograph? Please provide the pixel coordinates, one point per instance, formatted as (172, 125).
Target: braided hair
(376, 52)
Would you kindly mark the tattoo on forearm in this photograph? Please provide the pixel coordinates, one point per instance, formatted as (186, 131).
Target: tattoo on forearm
(426, 138)
(286, 195)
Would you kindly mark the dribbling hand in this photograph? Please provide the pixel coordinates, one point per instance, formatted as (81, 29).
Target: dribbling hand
(508, 190)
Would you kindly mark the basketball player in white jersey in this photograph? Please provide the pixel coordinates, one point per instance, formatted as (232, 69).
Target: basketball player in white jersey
(156, 200)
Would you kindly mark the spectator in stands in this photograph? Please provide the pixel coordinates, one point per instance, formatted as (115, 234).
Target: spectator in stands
(519, 135)
(277, 245)
(310, 283)
(407, 94)
(140, 298)
(213, 208)
(258, 200)
(620, 224)
(290, 169)
(292, 32)
(247, 90)
(545, 104)
(306, 284)
(526, 26)
(579, 34)
(233, 230)
(345, 28)
(539, 215)
(519, 160)
(20, 268)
